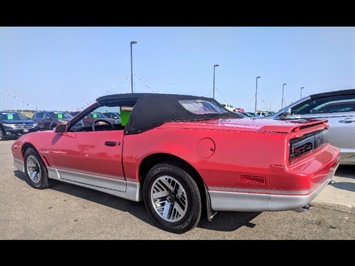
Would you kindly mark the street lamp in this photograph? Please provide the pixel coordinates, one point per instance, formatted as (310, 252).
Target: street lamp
(282, 101)
(132, 42)
(256, 92)
(301, 92)
(214, 70)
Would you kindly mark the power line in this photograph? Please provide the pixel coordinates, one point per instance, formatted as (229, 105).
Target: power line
(142, 82)
(19, 99)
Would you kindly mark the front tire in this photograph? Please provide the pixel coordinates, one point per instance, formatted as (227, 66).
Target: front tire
(172, 198)
(36, 171)
(2, 135)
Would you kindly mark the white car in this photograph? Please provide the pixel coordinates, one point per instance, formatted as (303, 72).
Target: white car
(229, 107)
(338, 107)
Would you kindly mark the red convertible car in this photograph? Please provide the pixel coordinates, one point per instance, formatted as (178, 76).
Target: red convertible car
(184, 156)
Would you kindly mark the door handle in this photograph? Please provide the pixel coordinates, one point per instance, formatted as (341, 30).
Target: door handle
(347, 120)
(110, 143)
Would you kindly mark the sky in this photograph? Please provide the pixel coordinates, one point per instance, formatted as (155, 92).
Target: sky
(67, 68)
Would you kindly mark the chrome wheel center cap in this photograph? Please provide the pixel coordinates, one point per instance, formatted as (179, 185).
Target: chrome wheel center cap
(170, 198)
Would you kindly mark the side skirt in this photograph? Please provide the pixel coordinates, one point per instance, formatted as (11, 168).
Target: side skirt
(120, 188)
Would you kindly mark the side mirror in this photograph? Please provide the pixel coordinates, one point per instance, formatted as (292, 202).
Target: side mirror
(287, 115)
(60, 128)
(287, 112)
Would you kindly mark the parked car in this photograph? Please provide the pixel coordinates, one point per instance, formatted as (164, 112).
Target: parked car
(251, 114)
(240, 110)
(50, 119)
(177, 154)
(260, 114)
(237, 110)
(229, 107)
(338, 108)
(90, 118)
(112, 115)
(15, 124)
(74, 113)
(243, 115)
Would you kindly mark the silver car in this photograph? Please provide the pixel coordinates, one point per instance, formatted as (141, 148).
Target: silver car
(338, 107)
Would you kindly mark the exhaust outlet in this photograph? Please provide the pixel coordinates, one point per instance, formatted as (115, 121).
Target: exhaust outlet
(304, 208)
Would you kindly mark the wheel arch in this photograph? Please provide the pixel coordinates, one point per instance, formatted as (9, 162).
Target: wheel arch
(26, 146)
(152, 160)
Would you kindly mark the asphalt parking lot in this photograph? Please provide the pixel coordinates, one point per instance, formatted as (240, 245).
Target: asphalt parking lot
(65, 212)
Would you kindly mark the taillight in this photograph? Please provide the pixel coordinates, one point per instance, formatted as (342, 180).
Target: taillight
(307, 143)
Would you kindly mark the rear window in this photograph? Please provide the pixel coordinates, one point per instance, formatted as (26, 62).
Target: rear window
(202, 107)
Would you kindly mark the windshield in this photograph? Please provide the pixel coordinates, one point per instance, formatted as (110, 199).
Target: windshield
(13, 116)
(339, 103)
(60, 115)
(97, 115)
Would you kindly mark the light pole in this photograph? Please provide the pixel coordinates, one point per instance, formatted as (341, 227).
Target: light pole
(214, 71)
(282, 101)
(301, 92)
(256, 92)
(132, 42)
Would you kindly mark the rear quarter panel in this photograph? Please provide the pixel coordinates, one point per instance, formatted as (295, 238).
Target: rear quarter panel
(232, 159)
(221, 157)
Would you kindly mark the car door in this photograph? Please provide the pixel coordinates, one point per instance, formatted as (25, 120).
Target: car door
(39, 119)
(89, 158)
(48, 120)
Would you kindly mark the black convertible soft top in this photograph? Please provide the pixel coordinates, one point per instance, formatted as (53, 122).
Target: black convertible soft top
(154, 109)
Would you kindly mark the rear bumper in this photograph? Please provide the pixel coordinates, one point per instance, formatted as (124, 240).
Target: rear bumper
(307, 180)
(249, 202)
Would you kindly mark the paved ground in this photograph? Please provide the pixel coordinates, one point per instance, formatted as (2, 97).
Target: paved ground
(342, 190)
(66, 212)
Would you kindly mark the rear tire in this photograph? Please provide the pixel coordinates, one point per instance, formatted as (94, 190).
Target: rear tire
(172, 198)
(36, 171)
